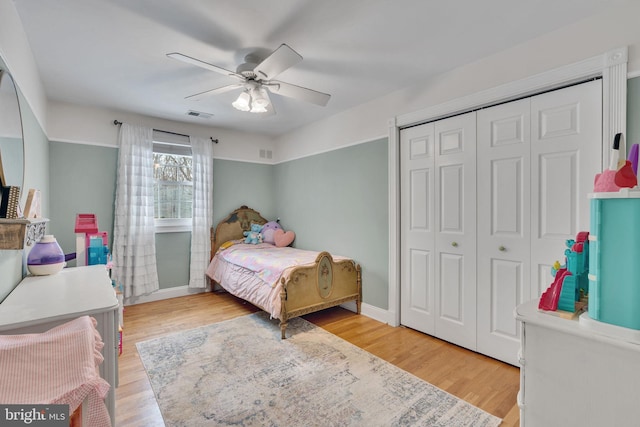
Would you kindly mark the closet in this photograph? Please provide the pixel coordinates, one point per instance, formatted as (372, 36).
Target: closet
(487, 200)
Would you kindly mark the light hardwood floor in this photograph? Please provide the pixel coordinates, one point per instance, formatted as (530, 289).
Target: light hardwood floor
(482, 381)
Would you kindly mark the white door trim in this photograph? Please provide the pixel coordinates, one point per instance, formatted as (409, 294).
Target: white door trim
(611, 66)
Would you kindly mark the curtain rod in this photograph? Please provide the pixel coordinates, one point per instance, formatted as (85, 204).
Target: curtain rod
(215, 141)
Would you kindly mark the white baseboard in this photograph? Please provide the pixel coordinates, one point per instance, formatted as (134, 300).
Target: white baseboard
(376, 313)
(379, 314)
(176, 291)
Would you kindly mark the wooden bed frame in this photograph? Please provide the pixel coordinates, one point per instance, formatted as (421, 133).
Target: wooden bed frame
(308, 289)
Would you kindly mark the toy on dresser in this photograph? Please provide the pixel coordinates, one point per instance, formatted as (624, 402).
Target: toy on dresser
(568, 292)
(615, 249)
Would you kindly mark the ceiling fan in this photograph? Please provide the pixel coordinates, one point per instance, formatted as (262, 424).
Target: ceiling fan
(256, 79)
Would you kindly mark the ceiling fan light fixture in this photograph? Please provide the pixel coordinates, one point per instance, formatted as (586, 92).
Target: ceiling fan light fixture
(259, 98)
(258, 109)
(243, 103)
(254, 76)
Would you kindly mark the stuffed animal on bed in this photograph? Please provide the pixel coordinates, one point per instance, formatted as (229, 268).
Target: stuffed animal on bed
(253, 236)
(268, 231)
(283, 238)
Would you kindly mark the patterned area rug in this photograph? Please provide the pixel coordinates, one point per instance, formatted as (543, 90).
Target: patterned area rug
(240, 373)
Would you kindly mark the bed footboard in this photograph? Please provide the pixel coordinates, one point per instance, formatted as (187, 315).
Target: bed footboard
(325, 284)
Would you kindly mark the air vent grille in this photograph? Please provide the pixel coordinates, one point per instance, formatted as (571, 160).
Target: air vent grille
(200, 114)
(266, 154)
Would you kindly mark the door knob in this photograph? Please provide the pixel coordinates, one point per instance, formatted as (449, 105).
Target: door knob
(454, 244)
(502, 249)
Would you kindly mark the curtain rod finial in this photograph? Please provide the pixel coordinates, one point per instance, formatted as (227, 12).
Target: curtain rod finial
(215, 141)
(116, 122)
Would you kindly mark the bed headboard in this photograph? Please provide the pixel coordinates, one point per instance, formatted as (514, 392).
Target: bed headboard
(232, 227)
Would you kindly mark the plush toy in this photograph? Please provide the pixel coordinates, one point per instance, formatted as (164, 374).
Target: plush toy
(268, 231)
(253, 236)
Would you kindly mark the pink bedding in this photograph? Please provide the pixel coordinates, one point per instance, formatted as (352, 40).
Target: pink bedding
(253, 272)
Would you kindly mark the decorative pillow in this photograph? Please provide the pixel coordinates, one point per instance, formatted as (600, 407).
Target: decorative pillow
(227, 244)
(267, 231)
(283, 238)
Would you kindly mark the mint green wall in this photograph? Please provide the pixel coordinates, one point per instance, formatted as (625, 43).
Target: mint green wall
(335, 201)
(241, 183)
(633, 112)
(338, 202)
(83, 179)
(173, 255)
(12, 160)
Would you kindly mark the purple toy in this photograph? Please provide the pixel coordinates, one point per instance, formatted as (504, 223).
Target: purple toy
(267, 231)
(633, 156)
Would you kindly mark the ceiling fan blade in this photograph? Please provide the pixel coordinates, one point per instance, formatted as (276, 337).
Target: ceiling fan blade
(215, 91)
(299, 92)
(202, 64)
(281, 59)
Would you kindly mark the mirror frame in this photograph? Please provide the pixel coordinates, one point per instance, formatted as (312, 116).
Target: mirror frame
(5, 74)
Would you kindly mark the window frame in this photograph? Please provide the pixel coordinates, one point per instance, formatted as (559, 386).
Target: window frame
(168, 143)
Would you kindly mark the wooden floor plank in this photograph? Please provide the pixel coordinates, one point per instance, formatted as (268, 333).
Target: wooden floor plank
(480, 380)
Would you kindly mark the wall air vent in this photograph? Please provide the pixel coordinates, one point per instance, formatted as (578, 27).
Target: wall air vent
(200, 114)
(266, 154)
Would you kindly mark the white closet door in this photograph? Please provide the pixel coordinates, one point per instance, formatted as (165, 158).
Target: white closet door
(438, 237)
(417, 156)
(566, 153)
(533, 182)
(455, 256)
(504, 223)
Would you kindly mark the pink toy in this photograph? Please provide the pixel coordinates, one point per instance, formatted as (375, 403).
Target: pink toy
(625, 176)
(606, 181)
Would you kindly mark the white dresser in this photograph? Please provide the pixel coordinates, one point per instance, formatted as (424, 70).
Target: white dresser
(577, 372)
(39, 303)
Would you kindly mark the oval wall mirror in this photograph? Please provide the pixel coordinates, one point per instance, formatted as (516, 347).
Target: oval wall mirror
(11, 137)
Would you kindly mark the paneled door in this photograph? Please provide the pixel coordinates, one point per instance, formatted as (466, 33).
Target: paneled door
(537, 158)
(438, 235)
(566, 154)
(417, 293)
(504, 225)
(455, 290)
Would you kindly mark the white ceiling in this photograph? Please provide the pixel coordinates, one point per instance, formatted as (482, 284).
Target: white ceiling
(112, 53)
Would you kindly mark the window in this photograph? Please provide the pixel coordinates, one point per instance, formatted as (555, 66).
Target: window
(173, 184)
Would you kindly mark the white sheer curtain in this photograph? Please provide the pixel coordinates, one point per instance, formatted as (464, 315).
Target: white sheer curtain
(134, 245)
(202, 152)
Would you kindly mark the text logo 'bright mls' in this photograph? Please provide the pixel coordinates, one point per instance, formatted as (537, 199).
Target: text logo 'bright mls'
(34, 415)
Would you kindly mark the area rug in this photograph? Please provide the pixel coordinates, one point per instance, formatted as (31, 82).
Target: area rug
(240, 373)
